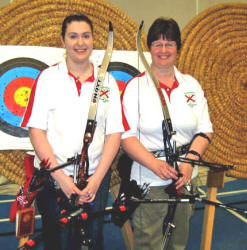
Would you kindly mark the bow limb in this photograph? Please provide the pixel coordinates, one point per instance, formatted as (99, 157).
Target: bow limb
(166, 125)
(165, 111)
(91, 122)
(101, 75)
(81, 171)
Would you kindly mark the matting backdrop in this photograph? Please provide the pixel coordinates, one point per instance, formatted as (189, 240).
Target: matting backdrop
(38, 23)
(214, 52)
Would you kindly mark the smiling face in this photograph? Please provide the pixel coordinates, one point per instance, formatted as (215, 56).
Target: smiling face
(163, 53)
(78, 42)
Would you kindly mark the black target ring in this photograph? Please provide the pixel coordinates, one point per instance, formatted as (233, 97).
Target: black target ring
(16, 78)
(122, 73)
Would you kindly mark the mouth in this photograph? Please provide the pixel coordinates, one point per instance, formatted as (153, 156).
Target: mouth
(80, 50)
(164, 57)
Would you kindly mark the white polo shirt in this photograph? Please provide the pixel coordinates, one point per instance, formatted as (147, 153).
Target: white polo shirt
(57, 106)
(142, 109)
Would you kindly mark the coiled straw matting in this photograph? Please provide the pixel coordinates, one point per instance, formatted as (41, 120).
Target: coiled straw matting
(214, 51)
(38, 22)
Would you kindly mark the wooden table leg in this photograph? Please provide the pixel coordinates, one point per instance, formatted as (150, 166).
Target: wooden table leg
(208, 222)
(215, 180)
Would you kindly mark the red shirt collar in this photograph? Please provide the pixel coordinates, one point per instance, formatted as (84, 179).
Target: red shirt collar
(168, 89)
(79, 83)
(89, 79)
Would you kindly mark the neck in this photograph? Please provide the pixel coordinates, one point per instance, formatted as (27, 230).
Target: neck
(82, 71)
(165, 75)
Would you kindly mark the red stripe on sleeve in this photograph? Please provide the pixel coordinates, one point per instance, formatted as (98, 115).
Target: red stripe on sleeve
(125, 122)
(29, 105)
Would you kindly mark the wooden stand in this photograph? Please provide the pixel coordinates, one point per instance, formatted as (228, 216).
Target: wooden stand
(215, 180)
(126, 229)
(22, 241)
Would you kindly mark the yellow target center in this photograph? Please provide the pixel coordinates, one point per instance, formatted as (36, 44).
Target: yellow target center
(21, 96)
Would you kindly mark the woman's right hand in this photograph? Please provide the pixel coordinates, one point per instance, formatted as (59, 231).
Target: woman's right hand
(162, 169)
(66, 184)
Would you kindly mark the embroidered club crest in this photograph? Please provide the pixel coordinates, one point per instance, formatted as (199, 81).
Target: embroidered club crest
(190, 98)
(104, 94)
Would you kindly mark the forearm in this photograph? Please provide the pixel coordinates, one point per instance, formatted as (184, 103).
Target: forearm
(199, 145)
(133, 147)
(43, 149)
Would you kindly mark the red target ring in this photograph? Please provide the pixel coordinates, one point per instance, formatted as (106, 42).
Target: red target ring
(16, 78)
(16, 95)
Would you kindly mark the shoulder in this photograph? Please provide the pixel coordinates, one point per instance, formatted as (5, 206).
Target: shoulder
(132, 86)
(137, 77)
(134, 81)
(50, 71)
(186, 80)
(49, 78)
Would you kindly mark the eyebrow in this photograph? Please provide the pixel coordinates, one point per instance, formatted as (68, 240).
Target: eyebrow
(168, 41)
(76, 33)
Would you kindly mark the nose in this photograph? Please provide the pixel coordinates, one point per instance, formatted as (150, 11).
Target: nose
(80, 40)
(164, 48)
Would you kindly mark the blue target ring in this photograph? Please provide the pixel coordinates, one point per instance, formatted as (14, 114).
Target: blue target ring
(16, 76)
(122, 73)
(121, 76)
(5, 79)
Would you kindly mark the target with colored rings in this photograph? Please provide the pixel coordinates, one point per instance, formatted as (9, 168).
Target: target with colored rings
(16, 78)
(122, 73)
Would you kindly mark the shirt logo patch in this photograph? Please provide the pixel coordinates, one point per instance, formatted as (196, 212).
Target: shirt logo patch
(104, 94)
(190, 98)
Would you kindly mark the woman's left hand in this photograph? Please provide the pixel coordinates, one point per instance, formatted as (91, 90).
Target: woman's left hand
(90, 191)
(186, 170)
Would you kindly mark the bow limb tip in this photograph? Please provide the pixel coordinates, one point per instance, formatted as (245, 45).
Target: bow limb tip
(110, 26)
(141, 25)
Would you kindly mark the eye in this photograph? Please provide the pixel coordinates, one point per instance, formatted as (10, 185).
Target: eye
(87, 35)
(170, 45)
(158, 45)
(72, 36)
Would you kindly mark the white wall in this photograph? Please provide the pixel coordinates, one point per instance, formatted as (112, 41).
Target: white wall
(181, 10)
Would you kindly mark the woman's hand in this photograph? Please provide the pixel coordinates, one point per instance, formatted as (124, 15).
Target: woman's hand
(164, 170)
(186, 170)
(67, 185)
(88, 194)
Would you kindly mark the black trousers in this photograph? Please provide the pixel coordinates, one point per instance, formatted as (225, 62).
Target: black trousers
(57, 237)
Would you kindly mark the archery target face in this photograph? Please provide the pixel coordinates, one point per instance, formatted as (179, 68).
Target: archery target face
(122, 73)
(16, 79)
